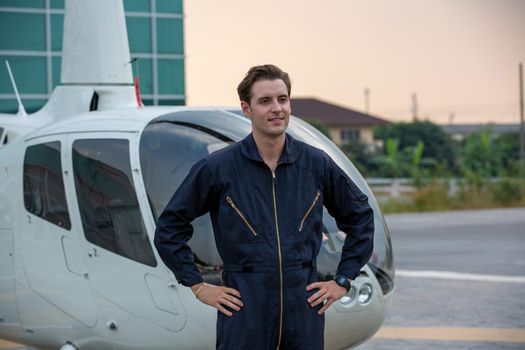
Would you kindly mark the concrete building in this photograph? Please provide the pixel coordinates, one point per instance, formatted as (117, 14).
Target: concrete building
(460, 131)
(345, 124)
(31, 40)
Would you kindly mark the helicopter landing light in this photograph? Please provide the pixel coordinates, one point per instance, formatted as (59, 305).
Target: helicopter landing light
(365, 293)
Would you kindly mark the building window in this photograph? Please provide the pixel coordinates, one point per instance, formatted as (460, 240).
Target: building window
(171, 77)
(44, 194)
(31, 37)
(167, 42)
(139, 33)
(349, 135)
(108, 204)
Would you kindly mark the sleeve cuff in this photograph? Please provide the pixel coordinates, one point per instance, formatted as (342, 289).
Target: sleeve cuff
(349, 273)
(189, 281)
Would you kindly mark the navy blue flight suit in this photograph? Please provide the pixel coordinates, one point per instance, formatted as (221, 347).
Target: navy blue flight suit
(268, 232)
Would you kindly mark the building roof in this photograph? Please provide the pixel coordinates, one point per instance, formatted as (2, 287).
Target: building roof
(466, 129)
(331, 114)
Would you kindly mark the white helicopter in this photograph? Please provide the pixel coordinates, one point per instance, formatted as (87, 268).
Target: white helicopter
(82, 182)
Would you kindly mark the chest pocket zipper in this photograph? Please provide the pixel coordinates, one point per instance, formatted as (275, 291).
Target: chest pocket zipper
(310, 210)
(234, 207)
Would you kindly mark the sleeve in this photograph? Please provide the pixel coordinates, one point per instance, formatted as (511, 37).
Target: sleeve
(353, 215)
(191, 200)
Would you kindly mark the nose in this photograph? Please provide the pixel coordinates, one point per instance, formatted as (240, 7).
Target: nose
(276, 106)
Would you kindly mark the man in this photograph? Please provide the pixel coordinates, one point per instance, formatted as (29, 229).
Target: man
(265, 196)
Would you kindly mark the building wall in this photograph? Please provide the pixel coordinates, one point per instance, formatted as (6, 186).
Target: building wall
(366, 135)
(31, 40)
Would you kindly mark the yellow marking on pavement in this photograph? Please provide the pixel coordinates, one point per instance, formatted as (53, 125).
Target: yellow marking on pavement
(468, 334)
(4, 344)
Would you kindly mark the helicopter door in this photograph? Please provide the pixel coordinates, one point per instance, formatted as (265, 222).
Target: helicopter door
(8, 310)
(48, 240)
(118, 252)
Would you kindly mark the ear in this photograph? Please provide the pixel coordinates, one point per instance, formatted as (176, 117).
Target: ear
(246, 110)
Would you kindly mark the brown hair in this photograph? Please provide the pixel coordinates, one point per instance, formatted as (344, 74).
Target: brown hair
(263, 72)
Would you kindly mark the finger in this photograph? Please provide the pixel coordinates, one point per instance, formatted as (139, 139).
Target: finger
(317, 295)
(233, 299)
(320, 300)
(325, 307)
(314, 285)
(230, 305)
(224, 311)
(232, 291)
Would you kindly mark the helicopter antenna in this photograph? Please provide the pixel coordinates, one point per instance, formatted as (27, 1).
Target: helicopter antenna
(21, 109)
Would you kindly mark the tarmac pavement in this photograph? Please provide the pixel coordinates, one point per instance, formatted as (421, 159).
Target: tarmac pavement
(460, 281)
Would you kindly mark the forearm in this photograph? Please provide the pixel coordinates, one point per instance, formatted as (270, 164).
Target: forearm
(171, 243)
(359, 243)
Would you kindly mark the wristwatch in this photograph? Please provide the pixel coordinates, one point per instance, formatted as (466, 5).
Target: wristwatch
(342, 281)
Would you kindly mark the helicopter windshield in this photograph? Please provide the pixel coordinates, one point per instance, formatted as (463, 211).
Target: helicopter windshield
(172, 143)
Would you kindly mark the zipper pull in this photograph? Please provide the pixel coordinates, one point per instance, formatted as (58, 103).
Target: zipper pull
(274, 170)
(230, 202)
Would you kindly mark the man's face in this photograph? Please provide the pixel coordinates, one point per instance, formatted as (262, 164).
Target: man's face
(269, 108)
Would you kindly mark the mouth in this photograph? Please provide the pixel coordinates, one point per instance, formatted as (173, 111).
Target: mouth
(276, 118)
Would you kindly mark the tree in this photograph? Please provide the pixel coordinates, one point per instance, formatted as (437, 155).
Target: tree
(360, 154)
(395, 162)
(509, 148)
(479, 155)
(486, 155)
(438, 145)
(320, 126)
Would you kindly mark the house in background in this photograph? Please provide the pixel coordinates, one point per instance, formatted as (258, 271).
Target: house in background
(345, 125)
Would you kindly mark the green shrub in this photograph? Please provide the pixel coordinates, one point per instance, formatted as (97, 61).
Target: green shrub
(474, 193)
(508, 192)
(432, 197)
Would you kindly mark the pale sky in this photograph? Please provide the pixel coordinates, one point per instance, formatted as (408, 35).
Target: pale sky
(459, 56)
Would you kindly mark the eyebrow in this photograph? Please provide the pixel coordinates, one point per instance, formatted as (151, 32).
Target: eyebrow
(266, 97)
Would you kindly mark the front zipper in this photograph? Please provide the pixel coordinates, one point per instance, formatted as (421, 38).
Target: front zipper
(280, 260)
(230, 202)
(309, 210)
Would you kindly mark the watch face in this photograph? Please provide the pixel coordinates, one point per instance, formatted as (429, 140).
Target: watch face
(343, 282)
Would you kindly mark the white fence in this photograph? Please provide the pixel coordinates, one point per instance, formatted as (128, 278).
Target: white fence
(401, 187)
(390, 187)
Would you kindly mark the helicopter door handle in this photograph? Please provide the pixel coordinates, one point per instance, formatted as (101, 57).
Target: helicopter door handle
(93, 253)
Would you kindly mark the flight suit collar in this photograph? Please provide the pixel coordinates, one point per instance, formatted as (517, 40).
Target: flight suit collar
(290, 152)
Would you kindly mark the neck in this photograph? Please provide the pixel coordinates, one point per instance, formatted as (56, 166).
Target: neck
(270, 148)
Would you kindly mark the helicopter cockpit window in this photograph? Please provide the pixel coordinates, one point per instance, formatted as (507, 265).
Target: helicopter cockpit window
(167, 153)
(107, 199)
(44, 193)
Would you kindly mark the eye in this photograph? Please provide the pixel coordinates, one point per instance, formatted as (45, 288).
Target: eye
(283, 99)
